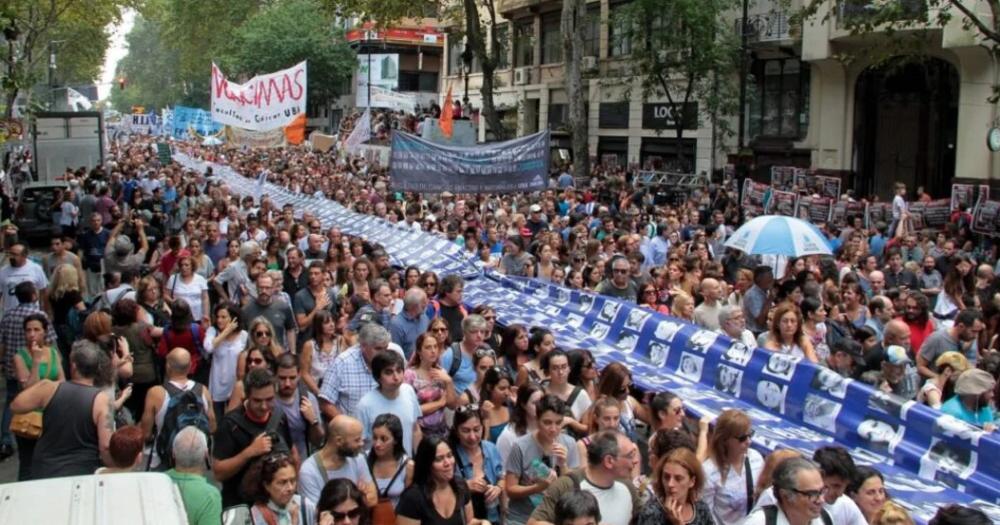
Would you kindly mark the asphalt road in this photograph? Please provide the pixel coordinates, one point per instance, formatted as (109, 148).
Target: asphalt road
(8, 468)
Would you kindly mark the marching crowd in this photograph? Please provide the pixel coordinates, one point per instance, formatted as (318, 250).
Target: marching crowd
(261, 360)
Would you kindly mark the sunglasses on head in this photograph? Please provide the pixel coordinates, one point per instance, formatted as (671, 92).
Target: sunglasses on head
(471, 407)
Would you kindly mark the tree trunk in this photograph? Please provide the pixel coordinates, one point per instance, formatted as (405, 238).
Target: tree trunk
(477, 42)
(572, 21)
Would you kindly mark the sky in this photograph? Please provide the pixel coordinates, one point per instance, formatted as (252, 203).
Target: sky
(116, 51)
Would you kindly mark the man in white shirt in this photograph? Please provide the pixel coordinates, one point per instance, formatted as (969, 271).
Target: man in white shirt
(707, 313)
(733, 324)
(798, 497)
(19, 270)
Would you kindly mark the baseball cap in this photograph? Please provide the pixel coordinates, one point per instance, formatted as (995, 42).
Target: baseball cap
(896, 355)
(535, 208)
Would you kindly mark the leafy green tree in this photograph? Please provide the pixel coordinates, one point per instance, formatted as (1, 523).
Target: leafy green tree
(151, 71)
(681, 50)
(75, 29)
(285, 33)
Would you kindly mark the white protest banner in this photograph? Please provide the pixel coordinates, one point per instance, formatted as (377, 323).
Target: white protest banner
(263, 103)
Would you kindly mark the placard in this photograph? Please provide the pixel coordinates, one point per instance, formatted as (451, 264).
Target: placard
(753, 198)
(782, 203)
(878, 212)
(844, 209)
(783, 177)
(986, 218)
(814, 209)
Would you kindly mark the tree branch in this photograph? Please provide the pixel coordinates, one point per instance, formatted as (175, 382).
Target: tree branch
(986, 30)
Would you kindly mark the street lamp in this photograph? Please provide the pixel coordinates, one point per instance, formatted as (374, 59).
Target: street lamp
(52, 72)
(466, 69)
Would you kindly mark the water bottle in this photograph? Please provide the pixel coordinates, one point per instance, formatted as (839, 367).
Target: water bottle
(541, 471)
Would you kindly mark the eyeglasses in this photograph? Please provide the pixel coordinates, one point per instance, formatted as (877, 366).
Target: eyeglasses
(352, 515)
(261, 333)
(811, 494)
(620, 270)
(589, 364)
(255, 361)
(439, 329)
(745, 437)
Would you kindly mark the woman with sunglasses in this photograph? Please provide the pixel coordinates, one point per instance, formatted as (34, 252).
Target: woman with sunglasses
(428, 281)
(435, 388)
(489, 314)
(649, 298)
(496, 400)
(667, 412)
(441, 331)
(479, 462)
(341, 502)
(540, 343)
(224, 341)
(677, 483)
(616, 382)
(731, 468)
(262, 339)
(583, 371)
(271, 482)
(437, 496)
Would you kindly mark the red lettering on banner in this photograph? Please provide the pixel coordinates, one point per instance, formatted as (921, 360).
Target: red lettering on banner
(262, 91)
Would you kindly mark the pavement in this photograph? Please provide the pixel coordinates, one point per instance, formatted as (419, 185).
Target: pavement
(8, 468)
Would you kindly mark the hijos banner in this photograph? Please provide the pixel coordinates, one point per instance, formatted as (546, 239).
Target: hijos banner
(928, 458)
(521, 164)
(263, 103)
(188, 122)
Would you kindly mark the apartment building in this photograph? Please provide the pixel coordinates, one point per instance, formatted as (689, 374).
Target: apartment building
(817, 96)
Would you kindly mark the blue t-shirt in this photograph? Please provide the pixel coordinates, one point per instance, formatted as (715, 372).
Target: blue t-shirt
(954, 407)
(406, 407)
(466, 374)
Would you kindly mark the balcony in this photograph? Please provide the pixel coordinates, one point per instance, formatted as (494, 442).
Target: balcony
(764, 28)
(851, 13)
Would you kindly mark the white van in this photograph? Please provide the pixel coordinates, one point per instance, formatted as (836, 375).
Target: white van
(142, 498)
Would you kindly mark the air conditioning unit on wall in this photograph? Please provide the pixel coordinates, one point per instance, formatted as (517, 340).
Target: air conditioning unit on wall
(522, 76)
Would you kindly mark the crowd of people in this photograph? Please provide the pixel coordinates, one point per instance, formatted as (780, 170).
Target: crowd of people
(174, 323)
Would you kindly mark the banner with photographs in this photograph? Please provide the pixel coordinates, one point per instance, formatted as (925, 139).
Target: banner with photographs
(783, 177)
(822, 185)
(814, 209)
(928, 458)
(754, 198)
(932, 214)
(968, 194)
(842, 210)
(986, 218)
(782, 203)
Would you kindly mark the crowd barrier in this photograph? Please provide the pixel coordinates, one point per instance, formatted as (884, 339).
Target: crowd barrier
(928, 458)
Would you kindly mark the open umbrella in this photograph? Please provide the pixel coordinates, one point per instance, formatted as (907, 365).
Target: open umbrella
(211, 141)
(779, 235)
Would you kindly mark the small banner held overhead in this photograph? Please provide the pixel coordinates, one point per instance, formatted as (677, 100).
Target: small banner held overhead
(517, 165)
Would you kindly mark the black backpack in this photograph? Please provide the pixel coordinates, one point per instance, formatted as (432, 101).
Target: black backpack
(184, 408)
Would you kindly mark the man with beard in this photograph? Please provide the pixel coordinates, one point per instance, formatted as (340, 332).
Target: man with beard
(340, 457)
(917, 318)
(959, 338)
(252, 430)
(299, 405)
(278, 313)
(311, 299)
(296, 276)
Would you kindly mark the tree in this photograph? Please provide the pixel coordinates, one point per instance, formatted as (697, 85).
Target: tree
(489, 58)
(285, 33)
(572, 22)
(681, 51)
(76, 29)
(150, 69)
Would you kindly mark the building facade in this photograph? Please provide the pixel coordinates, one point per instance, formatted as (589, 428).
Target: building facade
(818, 95)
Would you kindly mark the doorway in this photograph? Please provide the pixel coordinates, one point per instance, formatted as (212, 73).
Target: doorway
(906, 126)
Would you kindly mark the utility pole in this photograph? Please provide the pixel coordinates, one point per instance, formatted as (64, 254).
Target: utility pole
(369, 77)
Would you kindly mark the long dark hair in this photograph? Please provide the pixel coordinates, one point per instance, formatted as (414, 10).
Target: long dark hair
(423, 464)
(508, 346)
(493, 376)
(519, 416)
(578, 359)
(395, 427)
(462, 416)
(337, 491)
(180, 316)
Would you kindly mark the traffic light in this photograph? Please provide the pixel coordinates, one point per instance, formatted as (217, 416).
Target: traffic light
(121, 82)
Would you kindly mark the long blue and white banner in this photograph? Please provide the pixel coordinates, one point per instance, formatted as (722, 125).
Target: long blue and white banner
(517, 165)
(928, 458)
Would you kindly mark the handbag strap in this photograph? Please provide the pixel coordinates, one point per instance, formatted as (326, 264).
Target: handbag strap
(749, 477)
(383, 494)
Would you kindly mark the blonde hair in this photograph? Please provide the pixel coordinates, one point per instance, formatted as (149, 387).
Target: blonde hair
(891, 513)
(65, 279)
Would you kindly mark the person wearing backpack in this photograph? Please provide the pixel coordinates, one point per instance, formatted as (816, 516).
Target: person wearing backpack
(798, 493)
(457, 359)
(178, 403)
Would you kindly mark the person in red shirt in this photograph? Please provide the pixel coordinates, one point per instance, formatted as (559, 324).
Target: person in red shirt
(916, 315)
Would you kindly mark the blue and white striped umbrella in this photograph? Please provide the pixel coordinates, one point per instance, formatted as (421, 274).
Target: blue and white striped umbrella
(779, 235)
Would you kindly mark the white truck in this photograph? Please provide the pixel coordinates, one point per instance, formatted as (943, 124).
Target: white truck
(63, 140)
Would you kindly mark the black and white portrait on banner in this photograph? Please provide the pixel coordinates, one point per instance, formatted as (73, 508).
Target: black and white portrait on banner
(781, 365)
(951, 426)
(945, 457)
(690, 366)
(738, 354)
(821, 412)
(666, 330)
(574, 320)
(627, 341)
(701, 341)
(561, 297)
(728, 380)
(658, 353)
(609, 311)
(771, 395)
(636, 318)
(830, 382)
(586, 302)
(880, 436)
(599, 331)
(886, 403)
